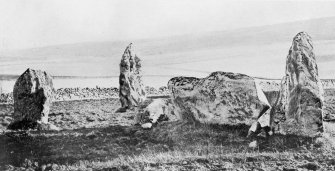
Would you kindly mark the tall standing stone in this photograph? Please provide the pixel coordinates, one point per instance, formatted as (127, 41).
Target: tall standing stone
(301, 93)
(132, 90)
(33, 95)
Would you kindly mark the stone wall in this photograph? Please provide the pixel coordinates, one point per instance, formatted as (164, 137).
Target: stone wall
(66, 94)
(269, 85)
(328, 83)
(6, 98)
(273, 85)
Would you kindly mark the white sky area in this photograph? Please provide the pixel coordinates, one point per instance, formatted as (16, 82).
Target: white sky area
(36, 23)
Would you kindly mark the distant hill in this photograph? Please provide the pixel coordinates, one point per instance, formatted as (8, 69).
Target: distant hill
(257, 51)
(9, 77)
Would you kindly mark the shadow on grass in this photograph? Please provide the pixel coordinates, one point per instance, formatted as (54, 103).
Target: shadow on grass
(102, 144)
(281, 143)
(230, 139)
(66, 147)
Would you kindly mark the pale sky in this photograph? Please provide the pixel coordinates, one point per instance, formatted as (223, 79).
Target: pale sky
(36, 23)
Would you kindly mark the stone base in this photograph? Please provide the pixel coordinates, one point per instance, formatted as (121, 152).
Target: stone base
(32, 125)
(291, 126)
(121, 110)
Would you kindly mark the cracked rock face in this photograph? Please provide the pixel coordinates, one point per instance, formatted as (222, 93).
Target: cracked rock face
(220, 98)
(301, 93)
(33, 95)
(132, 91)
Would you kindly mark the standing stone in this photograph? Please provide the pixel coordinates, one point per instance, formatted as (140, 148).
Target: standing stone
(302, 92)
(132, 91)
(221, 98)
(33, 95)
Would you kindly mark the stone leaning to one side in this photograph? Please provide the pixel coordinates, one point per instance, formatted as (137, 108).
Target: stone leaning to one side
(33, 95)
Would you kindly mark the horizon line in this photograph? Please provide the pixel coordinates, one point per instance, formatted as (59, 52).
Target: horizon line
(162, 37)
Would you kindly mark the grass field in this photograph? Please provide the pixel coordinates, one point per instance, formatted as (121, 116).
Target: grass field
(97, 138)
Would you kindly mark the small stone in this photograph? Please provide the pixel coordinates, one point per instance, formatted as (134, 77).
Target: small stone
(91, 135)
(55, 167)
(253, 144)
(48, 127)
(146, 125)
(102, 119)
(43, 167)
(90, 119)
(54, 127)
(157, 111)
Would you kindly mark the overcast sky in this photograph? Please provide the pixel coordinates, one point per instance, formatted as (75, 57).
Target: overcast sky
(35, 23)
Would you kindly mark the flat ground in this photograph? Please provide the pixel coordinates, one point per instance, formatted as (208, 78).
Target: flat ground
(95, 137)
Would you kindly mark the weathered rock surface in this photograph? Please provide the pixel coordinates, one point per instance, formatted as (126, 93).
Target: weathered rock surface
(279, 107)
(220, 98)
(272, 97)
(301, 94)
(33, 94)
(158, 110)
(132, 91)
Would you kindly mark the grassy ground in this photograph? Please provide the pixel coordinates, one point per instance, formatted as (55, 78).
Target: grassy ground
(97, 138)
(78, 114)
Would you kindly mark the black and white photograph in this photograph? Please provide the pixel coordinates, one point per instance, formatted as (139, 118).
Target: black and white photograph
(167, 85)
